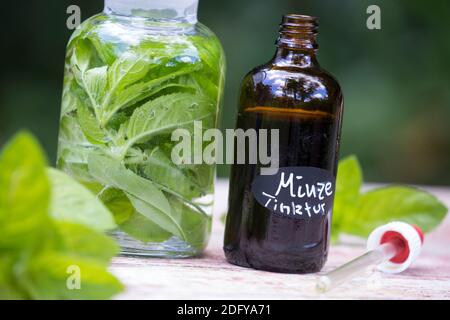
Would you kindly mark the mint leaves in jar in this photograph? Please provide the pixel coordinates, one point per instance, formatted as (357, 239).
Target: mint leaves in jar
(126, 89)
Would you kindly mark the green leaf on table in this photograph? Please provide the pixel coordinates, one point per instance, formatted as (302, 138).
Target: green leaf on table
(82, 241)
(396, 203)
(348, 188)
(25, 192)
(34, 248)
(72, 202)
(9, 288)
(51, 275)
(350, 179)
(358, 213)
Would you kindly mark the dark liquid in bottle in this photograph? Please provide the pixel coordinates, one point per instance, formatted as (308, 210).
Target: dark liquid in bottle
(293, 94)
(256, 237)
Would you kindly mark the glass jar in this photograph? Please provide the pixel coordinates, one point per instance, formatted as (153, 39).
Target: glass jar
(135, 74)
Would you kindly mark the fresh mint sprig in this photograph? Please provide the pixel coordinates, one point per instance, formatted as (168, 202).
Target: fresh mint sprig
(46, 226)
(359, 213)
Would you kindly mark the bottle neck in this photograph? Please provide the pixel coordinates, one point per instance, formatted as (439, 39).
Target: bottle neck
(297, 43)
(184, 11)
(295, 58)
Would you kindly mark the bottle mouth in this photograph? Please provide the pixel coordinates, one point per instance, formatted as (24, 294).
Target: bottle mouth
(298, 31)
(298, 23)
(299, 17)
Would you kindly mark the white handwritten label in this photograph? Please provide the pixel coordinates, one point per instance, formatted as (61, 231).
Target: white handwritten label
(296, 192)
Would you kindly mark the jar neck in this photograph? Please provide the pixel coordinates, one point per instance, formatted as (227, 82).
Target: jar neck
(184, 11)
(297, 43)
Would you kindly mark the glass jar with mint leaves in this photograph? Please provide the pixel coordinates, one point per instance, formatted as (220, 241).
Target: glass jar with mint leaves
(133, 75)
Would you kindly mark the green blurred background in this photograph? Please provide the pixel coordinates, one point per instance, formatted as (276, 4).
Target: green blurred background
(396, 80)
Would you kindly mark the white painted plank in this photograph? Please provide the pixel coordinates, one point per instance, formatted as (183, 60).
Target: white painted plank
(211, 277)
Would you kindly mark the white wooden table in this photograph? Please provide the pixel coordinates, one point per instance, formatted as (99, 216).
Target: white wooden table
(211, 277)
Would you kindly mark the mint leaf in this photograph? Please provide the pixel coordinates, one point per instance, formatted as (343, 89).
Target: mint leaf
(25, 192)
(72, 151)
(143, 229)
(157, 116)
(72, 202)
(89, 125)
(112, 173)
(159, 168)
(195, 224)
(145, 197)
(118, 203)
(128, 69)
(46, 276)
(164, 220)
(130, 221)
(104, 51)
(357, 213)
(81, 58)
(84, 242)
(179, 219)
(348, 188)
(396, 203)
(349, 181)
(34, 248)
(9, 289)
(94, 82)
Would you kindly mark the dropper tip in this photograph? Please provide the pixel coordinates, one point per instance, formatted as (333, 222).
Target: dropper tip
(323, 284)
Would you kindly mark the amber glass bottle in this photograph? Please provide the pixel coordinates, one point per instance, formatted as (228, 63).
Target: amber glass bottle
(288, 231)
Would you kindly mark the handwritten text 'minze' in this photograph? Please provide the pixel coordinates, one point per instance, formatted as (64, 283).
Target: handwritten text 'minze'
(319, 190)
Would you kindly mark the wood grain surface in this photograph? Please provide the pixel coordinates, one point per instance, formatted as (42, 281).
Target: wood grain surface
(211, 277)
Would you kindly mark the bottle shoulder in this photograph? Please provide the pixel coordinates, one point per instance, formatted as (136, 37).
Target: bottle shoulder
(290, 86)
